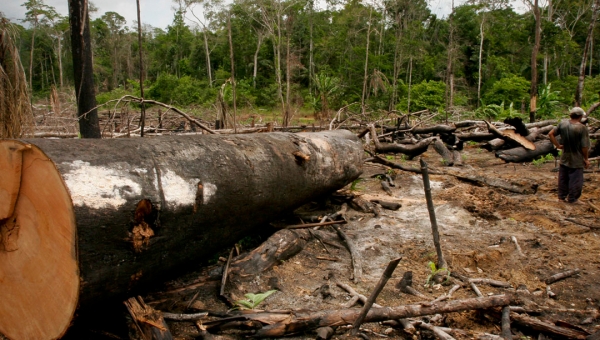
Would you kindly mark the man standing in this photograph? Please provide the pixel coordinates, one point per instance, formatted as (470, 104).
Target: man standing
(575, 143)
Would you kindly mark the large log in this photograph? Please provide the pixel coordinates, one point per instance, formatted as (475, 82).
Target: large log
(116, 215)
(520, 154)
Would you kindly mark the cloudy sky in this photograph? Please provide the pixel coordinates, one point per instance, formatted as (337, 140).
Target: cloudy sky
(157, 13)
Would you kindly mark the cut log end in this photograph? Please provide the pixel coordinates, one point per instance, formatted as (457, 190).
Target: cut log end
(38, 256)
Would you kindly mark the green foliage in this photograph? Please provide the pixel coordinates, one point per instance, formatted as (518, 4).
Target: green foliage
(426, 95)
(511, 89)
(496, 112)
(117, 93)
(180, 91)
(542, 160)
(434, 271)
(548, 102)
(253, 300)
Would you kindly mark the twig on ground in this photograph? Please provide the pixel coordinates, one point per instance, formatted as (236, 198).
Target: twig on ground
(387, 274)
(350, 290)
(354, 254)
(184, 317)
(440, 334)
(563, 275)
(514, 239)
(475, 289)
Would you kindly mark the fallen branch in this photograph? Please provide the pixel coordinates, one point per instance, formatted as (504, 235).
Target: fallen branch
(563, 275)
(184, 317)
(354, 254)
(310, 225)
(304, 321)
(585, 224)
(491, 282)
(354, 293)
(475, 289)
(439, 333)
(547, 328)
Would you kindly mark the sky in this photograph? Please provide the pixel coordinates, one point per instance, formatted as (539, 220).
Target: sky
(157, 13)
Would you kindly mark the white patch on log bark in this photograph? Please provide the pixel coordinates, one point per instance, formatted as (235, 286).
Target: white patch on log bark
(112, 191)
(208, 191)
(178, 190)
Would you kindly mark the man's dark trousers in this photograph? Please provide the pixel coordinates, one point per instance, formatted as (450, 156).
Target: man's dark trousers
(570, 183)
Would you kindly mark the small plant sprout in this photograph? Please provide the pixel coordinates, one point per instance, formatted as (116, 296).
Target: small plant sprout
(540, 161)
(434, 271)
(253, 300)
(389, 158)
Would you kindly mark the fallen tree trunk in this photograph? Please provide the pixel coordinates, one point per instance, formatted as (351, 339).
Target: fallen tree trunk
(409, 150)
(120, 214)
(284, 324)
(520, 154)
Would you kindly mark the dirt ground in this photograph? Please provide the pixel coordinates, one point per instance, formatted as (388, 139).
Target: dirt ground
(476, 225)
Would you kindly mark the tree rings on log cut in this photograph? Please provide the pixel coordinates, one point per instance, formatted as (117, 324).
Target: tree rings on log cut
(39, 277)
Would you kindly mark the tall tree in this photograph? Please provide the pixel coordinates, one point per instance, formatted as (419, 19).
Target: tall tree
(89, 126)
(533, 92)
(37, 12)
(586, 48)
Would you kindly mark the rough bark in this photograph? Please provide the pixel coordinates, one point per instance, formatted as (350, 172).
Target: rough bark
(121, 214)
(520, 154)
(83, 72)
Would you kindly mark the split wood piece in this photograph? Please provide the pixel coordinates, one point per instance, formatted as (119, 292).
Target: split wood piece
(520, 154)
(441, 262)
(354, 254)
(494, 144)
(324, 333)
(305, 321)
(280, 246)
(311, 225)
(365, 206)
(547, 328)
(519, 251)
(511, 135)
(406, 325)
(121, 214)
(354, 293)
(149, 322)
(442, 150)
(184, 317)
(409, 150)
(506, 332)
(582, 223)
(386, 187)
(475, 289)
(491, 282)
(439, 333)
(405, 285)
(387, 274)
(563, 275)
(387, 205)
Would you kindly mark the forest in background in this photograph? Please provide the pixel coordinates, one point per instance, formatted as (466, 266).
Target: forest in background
(288, 57)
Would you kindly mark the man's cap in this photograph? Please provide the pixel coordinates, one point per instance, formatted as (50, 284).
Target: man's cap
(577, 111)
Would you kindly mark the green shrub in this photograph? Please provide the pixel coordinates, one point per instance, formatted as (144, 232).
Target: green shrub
(512, 89)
